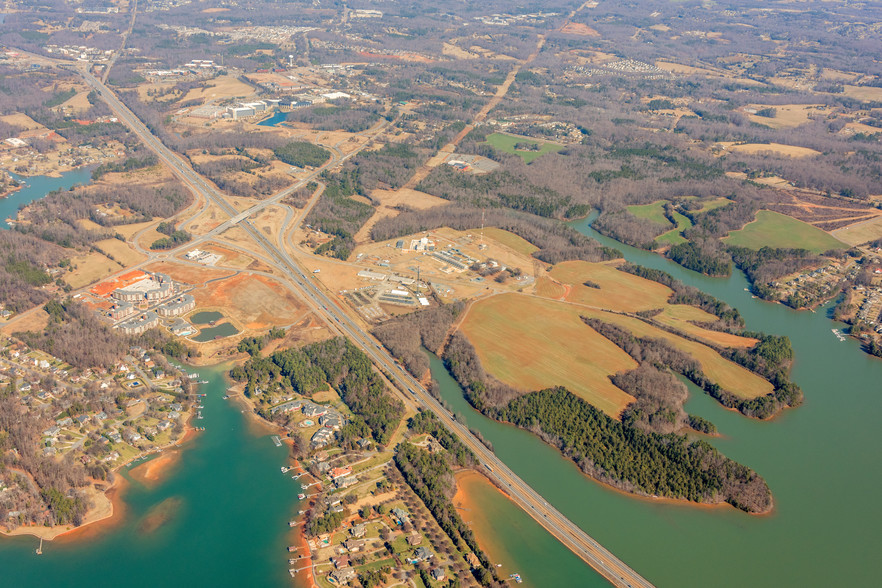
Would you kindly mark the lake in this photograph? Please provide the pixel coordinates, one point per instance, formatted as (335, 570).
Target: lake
(37, 187)
(219, 518)
(821, 461)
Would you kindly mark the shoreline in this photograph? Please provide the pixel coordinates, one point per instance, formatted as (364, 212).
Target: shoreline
(109, 506)
(257, 424)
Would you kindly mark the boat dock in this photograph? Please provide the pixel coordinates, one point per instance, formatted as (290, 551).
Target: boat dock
(838, 334)
(277, 441)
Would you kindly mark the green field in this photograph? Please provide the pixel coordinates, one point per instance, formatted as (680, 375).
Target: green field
(675, 236)
(654, 212)
(714, 203)
(507, 143)
(772, 229)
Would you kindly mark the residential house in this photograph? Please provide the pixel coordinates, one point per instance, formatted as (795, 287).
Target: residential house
(358, 530)
(414, 540)
(339, 472)
(437, 574)
(354, 545)
(422, 554)
(401, 516)
(343, 576)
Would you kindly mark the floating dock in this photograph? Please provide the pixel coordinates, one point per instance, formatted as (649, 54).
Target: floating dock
(277, 441)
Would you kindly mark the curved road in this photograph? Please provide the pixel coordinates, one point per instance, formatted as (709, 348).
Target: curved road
(607, 564)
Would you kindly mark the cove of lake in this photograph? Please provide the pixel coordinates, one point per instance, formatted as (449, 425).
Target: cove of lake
(36, 188)
(227, 526)
(821, 461)
(219, 517)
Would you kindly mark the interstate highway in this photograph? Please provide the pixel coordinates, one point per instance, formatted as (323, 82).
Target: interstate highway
(574, 538)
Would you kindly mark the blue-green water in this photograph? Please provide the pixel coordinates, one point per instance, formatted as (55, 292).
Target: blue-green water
(209, 333)
(821, 461)
(205, 317)
(227, 507)
(37, 187)
(276, 119)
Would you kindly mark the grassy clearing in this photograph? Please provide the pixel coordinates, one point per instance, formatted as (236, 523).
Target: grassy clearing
(773, 229)
(91, 267)
(714, 203)
(654, 212)
(507, 143)
(618, 290)
(120, 251)
(860, 232)
(510, 240)
(729, 375)
(530, 344)
(675, 236)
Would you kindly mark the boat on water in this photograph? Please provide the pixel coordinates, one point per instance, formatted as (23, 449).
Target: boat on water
(225, 397)
(202, 382)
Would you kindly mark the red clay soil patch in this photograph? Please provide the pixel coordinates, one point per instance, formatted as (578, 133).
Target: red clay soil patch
(258, 302)
(105, 288)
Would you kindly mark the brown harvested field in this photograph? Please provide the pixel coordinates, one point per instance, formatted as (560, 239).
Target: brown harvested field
(220, 88)
(120, 251)
(78, 102)
(128, 231)
(91, 267)
(865, 93)
(788, 115)
(389, 199)
(548, 288)
(618, 290)
(21, 120)
(33, 320)
(510, 240)
(860, 232)
(256, 302)
(577, 28)
(453, 50)
(521, 340)
(729, 375)
(688, 69)
(680, 316)
(777, 148)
